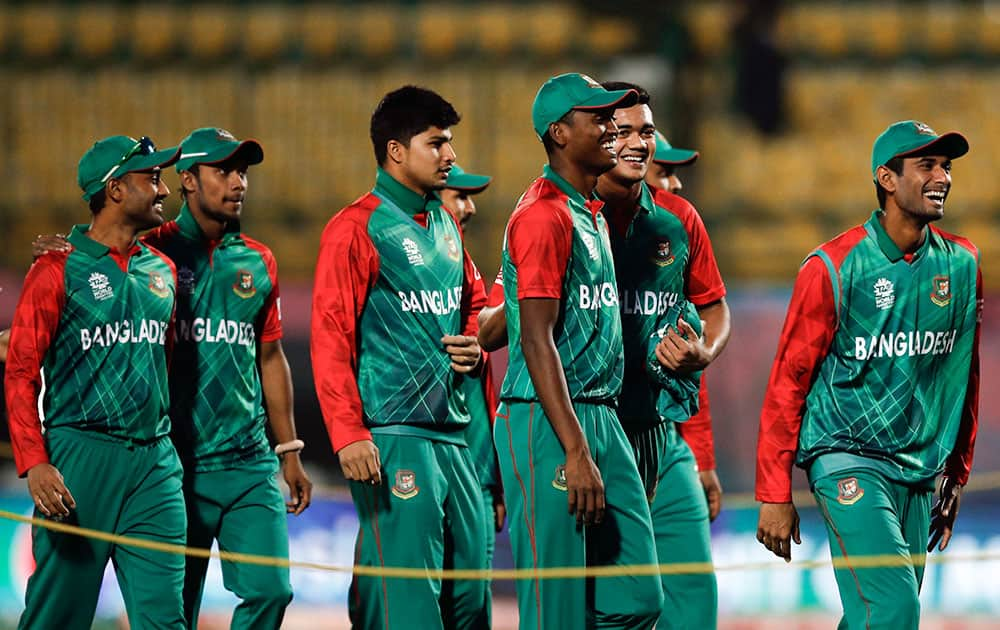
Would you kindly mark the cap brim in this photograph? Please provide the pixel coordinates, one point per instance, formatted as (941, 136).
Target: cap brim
(676, 157)
(157, 159)
(608, 99)
(951, 145)
(468, 182)
(250, 147)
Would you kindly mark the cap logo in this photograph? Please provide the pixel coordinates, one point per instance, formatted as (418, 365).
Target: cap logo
(923, 129)
(222, 134)
(590, 82)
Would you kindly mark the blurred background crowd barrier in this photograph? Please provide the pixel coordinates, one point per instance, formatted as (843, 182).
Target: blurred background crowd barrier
(783, 99)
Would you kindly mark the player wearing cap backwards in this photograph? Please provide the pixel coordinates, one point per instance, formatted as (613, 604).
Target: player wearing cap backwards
(573, 492)
(228, 378)
(96, 319)
(393, 325)
(479, 390)
(662, 172)
(875, 386)
(664, 260)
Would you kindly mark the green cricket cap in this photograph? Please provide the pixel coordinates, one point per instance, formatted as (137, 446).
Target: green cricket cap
(569, 91)
(117, 155)
(667, 154)
(458, 179)
(910, 138)
(211, 145)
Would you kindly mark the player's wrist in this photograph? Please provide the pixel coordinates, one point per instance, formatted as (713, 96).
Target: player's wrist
(289, 448)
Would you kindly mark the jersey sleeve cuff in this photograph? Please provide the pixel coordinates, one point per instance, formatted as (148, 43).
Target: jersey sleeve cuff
(710, 297)
(346, 438)
(27, 461)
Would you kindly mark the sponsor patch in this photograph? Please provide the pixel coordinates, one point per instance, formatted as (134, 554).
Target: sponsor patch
(244, 286)
(885, 294)
(406, 484)
(453, 252)
(100, 286)
(662, 256)
(158, 285)
(941, 293)
(185, 280)
(559, 481)
(848, 491)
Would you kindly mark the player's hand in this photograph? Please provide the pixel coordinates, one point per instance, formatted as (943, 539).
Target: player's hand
(682, 349)
(4, 344)
(499, 509)
(464, 351)
(944, 513)
(47, 489)
(298, 482)
(45, 243)
(713, 492)
(777, 525)
(585, 488)
(360, 461)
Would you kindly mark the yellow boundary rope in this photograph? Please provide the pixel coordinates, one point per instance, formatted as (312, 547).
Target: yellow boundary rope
(856, 562)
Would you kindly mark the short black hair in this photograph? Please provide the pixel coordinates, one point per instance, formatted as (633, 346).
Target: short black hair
(896, 166)
(406, 112)
(614, 86)
(97, 200)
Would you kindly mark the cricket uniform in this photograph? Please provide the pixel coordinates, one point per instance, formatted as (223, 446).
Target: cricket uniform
(874, 392)
(392, 279)
(90, 334)
(556, 246)
(663, 257)
(227, 303)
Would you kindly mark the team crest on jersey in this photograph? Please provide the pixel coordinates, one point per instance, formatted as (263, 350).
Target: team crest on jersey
(453, 251)
(244, 286)
(185, 280)
(923, 129)
(100, 286)
(848, 491)
(885, 294)
(941, 293)
(662, 256)
(406, 484)
(158, 285)
(559, 481)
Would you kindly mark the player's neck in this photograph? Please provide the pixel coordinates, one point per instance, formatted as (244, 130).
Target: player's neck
(576, 175)
(618, 197)
(213, 229)
(906, 231)
(112, 232)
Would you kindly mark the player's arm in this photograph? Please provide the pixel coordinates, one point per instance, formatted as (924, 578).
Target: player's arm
(346, 270)
(36, 320)
(493, 318)
(959, 464)
(466, 355)
(4, 342)
(805, 340)
(697, 432)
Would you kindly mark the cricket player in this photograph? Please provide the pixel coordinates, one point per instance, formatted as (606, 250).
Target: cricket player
(393, 328)
(664, 259)
(572, 489)
(875, 386)
(96, 321)
(479, 390)
(227, 363)
(662, 171)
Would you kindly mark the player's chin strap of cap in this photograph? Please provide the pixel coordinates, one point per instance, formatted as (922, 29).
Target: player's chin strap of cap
(293, 446)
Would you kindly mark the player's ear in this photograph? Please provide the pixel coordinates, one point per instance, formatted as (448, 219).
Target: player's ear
(395, 151)
(886, 178)
(188, 181)
(114, 189)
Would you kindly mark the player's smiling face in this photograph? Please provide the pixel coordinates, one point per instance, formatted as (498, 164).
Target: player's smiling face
(590, 139)
(144, 193)
(923, 186)
(424, 164)
(634, 143)
(218, 190)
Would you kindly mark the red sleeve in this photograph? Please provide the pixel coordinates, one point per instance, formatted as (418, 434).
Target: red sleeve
(704, 282)
(270, 314)
(495, 295)
(805, 339)
(473, 297)
(697, 431)
(346, 271)
(960, 461)
(539, 241)
(36, 320)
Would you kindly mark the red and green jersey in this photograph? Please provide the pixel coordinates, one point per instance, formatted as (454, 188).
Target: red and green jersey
(663, 256)
(392, 279)
(227, 302)
(556, 246)
(90, 334)
(878, 363)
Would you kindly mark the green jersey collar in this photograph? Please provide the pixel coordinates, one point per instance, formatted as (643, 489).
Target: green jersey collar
(78, 238)
(645, 199)
(887, 245)
(563, 185)
(404, 198)
(188, 227)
